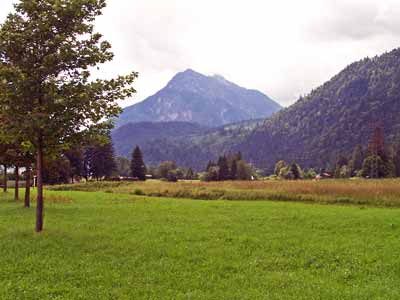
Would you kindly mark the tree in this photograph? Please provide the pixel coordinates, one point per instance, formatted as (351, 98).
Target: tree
(341, 161)
(165, 167)
(47, 98)
(210, 165)
(212, 174)
(123, 166)
(295, 171)
(244, 170)
(56, 170)
(101, 162)
(279, 166)
(356, 160)
(234, 170)
(138, 168)
(374, 167)
(76, 159)
(376, 146)
(5, 160)
(223, 173)
(397, 160)
(190, 174)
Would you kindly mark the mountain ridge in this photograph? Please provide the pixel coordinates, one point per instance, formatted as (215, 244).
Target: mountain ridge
(329, 121)
(206, 100)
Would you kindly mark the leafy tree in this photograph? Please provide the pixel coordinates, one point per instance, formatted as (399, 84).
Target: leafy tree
(340, 163)
(310, 174)
(212, 174)
(244, 170)
(5, 160)
(279, 166)
(76, 159)
(172, 176)
(47, 48)
(165, 167)
(56, 170)
(357, 159)
(138, 168)
(374, 167)
(123, 166)
(101, 161)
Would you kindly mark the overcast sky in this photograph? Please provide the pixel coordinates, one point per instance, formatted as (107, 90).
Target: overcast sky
(283, 48)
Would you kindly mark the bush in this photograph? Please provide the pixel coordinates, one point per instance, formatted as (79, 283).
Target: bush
(138, 192)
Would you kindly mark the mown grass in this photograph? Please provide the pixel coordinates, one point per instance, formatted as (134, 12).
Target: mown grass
(119, 246)
(381, 193)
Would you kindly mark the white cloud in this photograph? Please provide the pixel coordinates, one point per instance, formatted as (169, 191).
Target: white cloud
(283, 48)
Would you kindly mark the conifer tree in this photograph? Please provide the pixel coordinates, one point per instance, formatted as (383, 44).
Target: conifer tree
(223, 173)
(138, 167)
(190, 174)
(295, 171)
(234, 170)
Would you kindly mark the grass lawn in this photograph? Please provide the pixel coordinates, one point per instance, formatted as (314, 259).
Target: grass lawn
(120, 246)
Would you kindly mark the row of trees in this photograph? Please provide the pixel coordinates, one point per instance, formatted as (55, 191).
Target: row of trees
(228, 167)
(48, 101)
(374, 161)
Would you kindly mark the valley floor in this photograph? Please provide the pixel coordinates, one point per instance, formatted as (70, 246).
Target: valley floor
(100, 245)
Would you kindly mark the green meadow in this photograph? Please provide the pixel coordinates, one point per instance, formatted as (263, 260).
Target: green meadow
(100, 245)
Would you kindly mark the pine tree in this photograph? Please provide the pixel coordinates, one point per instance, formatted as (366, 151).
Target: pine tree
(138, 168)
(295, 171)
(223, 173)
(234, 169)
(190, 174)
(210, 165)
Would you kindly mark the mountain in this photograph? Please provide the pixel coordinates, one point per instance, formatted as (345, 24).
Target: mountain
(331, 120)
(206, 100)
(334, 118)
(126, 137)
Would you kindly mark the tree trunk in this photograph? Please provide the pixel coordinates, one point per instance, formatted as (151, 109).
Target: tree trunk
(39, 167)
(5, 181)
(16, 196)
(27, 202)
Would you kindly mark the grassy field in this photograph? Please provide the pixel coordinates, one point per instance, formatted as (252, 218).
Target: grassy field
(119, 246)
(379, 193)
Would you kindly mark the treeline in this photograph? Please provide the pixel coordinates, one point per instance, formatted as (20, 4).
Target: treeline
(49, 101)
(229, 167)
(374, 160)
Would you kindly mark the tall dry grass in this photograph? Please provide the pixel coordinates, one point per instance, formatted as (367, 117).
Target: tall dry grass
(361, 192)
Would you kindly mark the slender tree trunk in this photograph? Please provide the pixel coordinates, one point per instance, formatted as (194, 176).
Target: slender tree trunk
(27, 202)
(5, 181)
(39, 167)
(16, 196)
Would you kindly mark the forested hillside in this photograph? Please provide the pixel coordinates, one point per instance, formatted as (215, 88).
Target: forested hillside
(331, 120)
(130, 135)
(334, 118)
